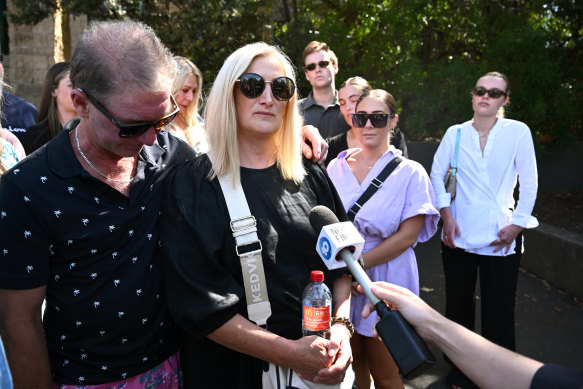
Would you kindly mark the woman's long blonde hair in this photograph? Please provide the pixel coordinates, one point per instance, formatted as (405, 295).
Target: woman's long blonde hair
(221, 117)
(194, 132)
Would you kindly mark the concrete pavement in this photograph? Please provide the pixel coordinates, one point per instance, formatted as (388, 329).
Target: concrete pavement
(549, 323)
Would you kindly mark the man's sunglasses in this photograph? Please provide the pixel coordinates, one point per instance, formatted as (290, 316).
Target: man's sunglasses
(312, 66)
(135, 129)
(378, 120)
(493, 93)
(252, 85)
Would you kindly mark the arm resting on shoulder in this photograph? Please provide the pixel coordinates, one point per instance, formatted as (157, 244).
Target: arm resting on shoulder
(317, 148)
(396, 244)
(23, 336)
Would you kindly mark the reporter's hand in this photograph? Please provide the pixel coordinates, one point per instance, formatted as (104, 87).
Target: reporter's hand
(506, 236)
(339, 349)
(416, 311)
(319, 149)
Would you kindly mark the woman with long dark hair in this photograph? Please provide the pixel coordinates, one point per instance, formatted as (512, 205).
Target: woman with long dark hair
(55, 109)
(400, 214)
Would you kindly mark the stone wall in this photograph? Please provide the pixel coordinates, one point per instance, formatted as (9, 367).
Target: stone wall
(32, 54)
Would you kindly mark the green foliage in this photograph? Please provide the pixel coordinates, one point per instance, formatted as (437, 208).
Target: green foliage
(204, 31)
(427, 53)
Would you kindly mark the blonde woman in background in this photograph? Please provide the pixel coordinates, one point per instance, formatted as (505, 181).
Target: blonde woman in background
(482, 225)
(188, 125)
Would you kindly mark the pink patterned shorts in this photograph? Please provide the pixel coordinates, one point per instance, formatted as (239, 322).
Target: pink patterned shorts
(166, 375)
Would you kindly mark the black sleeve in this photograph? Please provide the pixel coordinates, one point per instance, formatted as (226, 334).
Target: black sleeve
(398, 140)
(201, 293)
(557, 377)
(336, 145)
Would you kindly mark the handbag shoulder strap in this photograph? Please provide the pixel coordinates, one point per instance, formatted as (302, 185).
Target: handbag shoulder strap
(457, 147)
(248, 248)
(373, 187)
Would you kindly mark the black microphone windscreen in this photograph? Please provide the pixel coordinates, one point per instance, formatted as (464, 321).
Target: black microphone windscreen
(321, 216)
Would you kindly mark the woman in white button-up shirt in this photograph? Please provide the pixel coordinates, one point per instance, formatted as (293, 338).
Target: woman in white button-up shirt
(481, 227)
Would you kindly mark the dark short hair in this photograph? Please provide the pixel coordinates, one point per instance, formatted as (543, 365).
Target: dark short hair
(115, 55)
(315, 46)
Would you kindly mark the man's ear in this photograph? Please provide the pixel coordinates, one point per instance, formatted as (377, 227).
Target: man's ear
(335, 65)
(80, 102)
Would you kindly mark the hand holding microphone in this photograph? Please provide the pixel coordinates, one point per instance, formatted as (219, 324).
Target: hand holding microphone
(339, 244)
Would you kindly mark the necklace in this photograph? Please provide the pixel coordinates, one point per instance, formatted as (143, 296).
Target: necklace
(370, 164)
(93, 167)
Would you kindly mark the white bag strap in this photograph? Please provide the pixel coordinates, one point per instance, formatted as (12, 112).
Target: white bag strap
(244, 228)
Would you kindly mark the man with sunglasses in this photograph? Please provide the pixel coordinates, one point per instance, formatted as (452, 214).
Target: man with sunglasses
(79, 225)
(321, 108)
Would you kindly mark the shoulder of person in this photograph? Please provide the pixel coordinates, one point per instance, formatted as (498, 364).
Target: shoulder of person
(312, 167)
(172, 144)
(37, 127)
(13, 99)
(412, 166)
(515, 125)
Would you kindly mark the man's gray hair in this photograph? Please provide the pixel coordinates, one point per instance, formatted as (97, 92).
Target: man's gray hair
(113, 56)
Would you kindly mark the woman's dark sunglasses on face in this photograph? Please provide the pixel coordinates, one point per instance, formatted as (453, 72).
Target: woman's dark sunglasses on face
(493, 93)
(135, 129)
(378, 120)
(252, 86)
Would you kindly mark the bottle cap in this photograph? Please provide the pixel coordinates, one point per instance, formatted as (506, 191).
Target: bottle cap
(317, 275)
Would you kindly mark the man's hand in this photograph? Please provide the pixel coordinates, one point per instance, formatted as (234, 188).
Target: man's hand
(318, 150)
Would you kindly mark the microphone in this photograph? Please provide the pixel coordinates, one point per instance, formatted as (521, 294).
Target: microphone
(338, 245)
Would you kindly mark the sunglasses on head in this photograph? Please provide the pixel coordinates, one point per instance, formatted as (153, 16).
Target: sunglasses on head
(135, 129)
(378, 120)
(312, 66)
(252, 86)
(493, 93)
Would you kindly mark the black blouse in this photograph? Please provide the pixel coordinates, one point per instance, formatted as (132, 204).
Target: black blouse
(203, 273)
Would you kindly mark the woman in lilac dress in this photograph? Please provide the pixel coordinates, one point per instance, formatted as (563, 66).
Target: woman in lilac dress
(400, 214)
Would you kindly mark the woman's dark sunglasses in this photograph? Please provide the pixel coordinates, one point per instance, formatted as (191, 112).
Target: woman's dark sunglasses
(135, 129)
(493, 93)
(252, 85)
(321, 64)
(378, 120)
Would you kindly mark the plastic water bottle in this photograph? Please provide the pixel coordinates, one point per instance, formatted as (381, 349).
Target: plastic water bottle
(317, 307)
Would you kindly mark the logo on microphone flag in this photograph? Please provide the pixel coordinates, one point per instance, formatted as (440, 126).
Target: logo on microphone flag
(325, 248)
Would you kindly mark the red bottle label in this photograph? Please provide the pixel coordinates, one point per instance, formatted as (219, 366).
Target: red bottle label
(316, 319)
